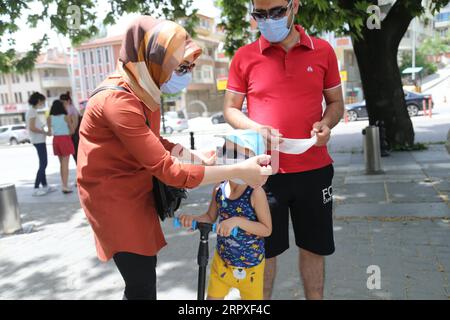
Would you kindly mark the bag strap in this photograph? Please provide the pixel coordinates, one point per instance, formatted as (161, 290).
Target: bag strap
(108, 87)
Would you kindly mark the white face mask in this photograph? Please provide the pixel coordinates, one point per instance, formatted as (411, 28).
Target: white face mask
(296, 146)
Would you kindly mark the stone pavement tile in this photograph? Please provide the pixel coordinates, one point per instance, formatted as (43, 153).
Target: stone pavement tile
(438, 173)
(431, 156)
(362, 178)
(412, 192)
(442, 185)
(341, 159)
(361, 193)
(391, 210)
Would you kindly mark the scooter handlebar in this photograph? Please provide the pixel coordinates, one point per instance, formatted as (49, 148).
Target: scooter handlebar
(177, 224)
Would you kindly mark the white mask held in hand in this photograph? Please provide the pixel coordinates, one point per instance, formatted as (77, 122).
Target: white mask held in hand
(297, 146)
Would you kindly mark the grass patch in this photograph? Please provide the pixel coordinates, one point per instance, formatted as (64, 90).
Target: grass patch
(415, 147)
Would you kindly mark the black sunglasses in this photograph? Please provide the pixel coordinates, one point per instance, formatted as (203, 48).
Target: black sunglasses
(184, 68)
(273, 13)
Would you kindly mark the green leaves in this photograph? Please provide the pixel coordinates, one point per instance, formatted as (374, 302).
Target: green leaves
(83, 28)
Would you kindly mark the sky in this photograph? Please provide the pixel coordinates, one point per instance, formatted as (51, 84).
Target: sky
(26, 36)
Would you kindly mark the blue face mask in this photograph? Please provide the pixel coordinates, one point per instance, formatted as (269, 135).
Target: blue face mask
(176, 83)
(275, 30)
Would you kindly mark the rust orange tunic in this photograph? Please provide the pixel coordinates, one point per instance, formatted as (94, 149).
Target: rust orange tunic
(117, 157)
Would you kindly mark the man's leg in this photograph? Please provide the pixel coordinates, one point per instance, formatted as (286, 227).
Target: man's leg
(270, 272)
(312, 272)
(312, 220)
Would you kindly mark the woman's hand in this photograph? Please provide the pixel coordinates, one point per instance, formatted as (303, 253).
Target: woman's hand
(225, 228)
(207, 157)
(255, 171)
(272, 137)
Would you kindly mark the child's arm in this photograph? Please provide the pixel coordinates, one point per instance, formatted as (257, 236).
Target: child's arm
(209, 217)
(49, 125)
(261, 228)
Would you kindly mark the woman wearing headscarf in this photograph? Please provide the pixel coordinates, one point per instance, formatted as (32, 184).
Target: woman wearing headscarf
(120, 150)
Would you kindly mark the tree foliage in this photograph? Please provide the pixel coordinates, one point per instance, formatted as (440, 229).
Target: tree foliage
(345, 17)
(59, 14)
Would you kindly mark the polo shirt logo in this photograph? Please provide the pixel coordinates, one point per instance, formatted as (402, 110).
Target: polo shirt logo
(309, 69)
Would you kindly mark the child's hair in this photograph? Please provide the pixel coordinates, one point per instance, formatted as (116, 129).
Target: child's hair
(35, 98)
(57, 108)
(65, 96)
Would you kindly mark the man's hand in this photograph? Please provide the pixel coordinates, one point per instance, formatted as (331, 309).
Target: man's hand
(323, 133)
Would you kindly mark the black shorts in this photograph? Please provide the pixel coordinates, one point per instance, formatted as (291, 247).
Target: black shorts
(308, 197)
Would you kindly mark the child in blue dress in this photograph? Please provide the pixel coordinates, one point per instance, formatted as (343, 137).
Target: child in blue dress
(238, 261)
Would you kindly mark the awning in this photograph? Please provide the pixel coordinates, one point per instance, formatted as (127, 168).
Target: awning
(412, 70)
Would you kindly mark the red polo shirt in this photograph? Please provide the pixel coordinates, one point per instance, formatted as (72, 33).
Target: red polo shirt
(285, 90)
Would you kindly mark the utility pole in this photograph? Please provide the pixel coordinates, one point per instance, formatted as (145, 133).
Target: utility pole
(414, 49)
(162, 114)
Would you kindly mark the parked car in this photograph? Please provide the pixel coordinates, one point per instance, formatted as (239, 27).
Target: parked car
(14, 134)
(414, 103)
(218, 118)
(174, 121)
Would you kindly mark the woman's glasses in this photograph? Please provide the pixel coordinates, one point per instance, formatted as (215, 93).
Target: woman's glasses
(273, 13)
(184, 68)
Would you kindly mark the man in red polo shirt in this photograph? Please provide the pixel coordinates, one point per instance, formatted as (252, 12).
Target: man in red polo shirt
(285, 75)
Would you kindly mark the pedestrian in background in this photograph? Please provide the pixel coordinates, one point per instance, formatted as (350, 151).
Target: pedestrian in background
(61, 127)
(38, 135)
(74, 118)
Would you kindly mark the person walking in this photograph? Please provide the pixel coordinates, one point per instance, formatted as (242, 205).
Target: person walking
(38, 135)
(121, 150)
(74, 118)
(61, 128)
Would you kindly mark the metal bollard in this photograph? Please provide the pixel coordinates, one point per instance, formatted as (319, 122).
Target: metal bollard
(9, 209)
(372, 156)
(192, 140)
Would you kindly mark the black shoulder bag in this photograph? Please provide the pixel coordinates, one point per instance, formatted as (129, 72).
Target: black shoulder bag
(167, 198)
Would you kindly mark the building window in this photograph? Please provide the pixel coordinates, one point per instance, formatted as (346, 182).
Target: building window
(207, 73)
(3, 100)
(204, 23)
(92, 57)
(15, 78)
(99, 56)
(84, 58)
(107, 55)
(197, 74)
(443, 17)
(6, 98)
(30, 75)
(48, 94)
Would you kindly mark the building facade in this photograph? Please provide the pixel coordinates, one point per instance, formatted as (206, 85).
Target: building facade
(98, 58)
(49, 77)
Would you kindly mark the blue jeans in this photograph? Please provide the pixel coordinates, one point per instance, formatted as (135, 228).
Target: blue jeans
(42, 154)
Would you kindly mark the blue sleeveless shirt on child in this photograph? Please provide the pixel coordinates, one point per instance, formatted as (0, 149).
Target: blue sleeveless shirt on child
(245, 250)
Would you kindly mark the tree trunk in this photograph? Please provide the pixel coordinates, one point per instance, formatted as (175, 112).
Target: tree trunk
(383, 89)
(376, 52)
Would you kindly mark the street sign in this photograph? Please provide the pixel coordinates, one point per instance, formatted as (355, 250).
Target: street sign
(222, 84)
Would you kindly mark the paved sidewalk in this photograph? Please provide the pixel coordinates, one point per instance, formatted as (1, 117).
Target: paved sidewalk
(398, 221)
